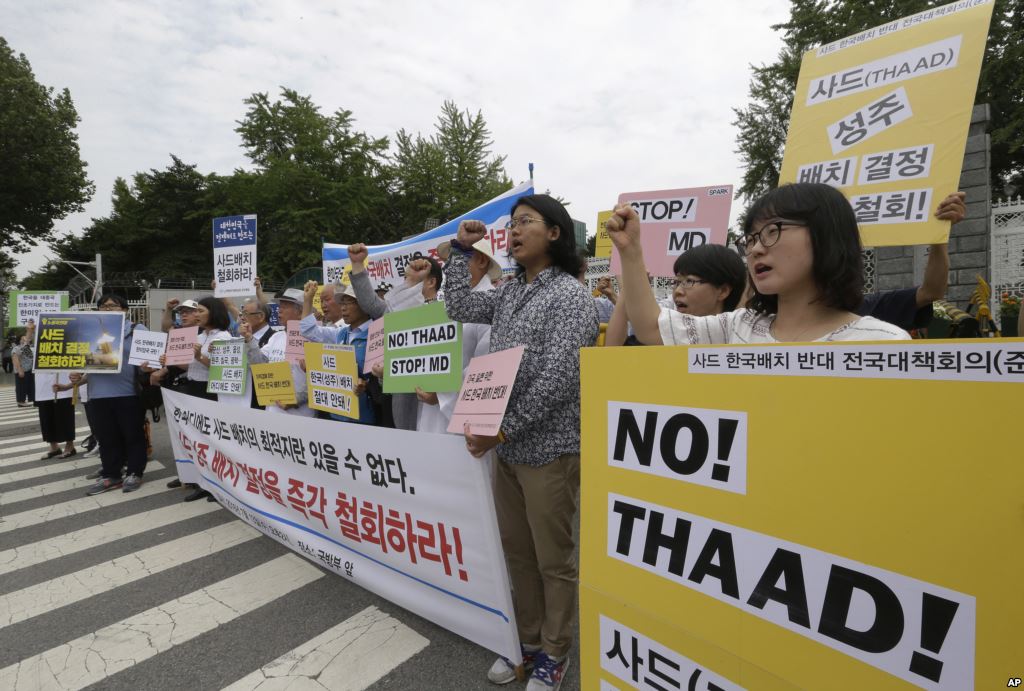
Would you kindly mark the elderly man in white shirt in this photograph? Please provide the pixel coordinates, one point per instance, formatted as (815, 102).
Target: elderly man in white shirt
(289, 306)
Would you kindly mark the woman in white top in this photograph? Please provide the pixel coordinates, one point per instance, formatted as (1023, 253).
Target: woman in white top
(213, 321)
(804, 261)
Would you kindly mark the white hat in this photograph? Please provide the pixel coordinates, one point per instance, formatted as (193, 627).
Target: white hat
(187, 305)
(292, 295)
(483, 246)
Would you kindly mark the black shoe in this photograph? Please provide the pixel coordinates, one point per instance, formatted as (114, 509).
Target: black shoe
(210, 497)
(174, 484)
(197, 494)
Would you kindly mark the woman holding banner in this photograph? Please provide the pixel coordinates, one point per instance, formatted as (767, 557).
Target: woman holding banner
(536, 487)
(804, 261)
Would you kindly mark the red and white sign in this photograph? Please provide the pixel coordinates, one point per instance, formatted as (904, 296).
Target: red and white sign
(486, 387)
(180, 342)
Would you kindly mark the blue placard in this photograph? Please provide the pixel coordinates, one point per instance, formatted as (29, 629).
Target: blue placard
(233, 231)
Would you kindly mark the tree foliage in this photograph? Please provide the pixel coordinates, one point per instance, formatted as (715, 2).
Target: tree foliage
(42, 175)
(762, 124)
(313, 177)
(448, 173)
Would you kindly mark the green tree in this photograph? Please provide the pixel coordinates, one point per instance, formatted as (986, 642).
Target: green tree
(448, 173)
(762, 124)
(42, 175)
(315, 178)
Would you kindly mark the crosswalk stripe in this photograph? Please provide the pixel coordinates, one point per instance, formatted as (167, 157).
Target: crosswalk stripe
(348, 657)
(97, 535)
(22, 421)
(5, 441)
(59, 592)
(49, 488)
(95, 656)
(73, 507)
(40, 445)
(76, 463)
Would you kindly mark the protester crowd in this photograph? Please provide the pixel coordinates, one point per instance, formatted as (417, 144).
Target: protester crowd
(795, 274)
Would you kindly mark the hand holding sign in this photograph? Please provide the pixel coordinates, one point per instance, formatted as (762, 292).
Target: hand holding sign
(478, 444)
(952, 208)
(471, 232)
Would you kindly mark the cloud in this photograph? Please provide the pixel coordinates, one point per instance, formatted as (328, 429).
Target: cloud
(609, 98)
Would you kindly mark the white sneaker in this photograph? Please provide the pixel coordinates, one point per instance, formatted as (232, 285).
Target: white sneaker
(504, 672)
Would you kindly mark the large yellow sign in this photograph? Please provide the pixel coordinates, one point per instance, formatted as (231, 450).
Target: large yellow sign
(883, 115)
(831, 516)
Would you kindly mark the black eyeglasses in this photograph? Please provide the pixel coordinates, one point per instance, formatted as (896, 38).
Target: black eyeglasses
(767, 236)
(687, 282)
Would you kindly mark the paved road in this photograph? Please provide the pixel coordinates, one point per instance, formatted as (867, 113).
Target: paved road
(143, 591)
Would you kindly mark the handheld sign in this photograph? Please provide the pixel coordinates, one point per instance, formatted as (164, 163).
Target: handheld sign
(673, 221)
(485, 392)
(374, 345)
(273, 383)
(331, 378)
(24, 305)
(180, 345)
(79, 342)
(227, 367)
(147, 347)
(294, 351)
(603, 243)
(422, 348)
(883, 115)
(234, 255)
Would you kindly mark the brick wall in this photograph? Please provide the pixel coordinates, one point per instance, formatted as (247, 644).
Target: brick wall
(903, 267)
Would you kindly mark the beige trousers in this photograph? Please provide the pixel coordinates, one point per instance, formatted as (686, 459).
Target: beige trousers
(535, 507)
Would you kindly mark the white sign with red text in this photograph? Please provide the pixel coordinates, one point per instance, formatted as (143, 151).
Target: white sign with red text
(410, 520)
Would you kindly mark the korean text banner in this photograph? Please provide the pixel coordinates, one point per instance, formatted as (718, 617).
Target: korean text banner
(883, 115)
(674, 221)
(79, 342)
(331, 378)
(410, 520)
(234, 255)
(23, 305)
(386, 263)
(422, 348)
(825, 527)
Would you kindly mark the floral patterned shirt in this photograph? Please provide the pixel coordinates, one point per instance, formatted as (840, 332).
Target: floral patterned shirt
(553, 317)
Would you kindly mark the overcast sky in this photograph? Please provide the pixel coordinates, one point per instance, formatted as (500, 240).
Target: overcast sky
(603, 97)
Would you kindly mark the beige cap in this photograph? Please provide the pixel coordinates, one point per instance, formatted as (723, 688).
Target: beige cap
(483, 246)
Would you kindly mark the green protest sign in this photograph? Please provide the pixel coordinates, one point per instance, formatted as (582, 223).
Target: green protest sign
(423, 348)
(23, 305)
(228, 367)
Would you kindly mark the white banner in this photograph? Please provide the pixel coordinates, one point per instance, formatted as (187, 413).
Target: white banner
(408, 518)
(386, 264)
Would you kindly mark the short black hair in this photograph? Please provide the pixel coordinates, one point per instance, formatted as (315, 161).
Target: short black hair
(436, 272)
(718, 265)
(838, 263)
(113, 297)
(218, 318)
(562, 249)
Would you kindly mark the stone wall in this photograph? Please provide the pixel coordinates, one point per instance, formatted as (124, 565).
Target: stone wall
(903, 267)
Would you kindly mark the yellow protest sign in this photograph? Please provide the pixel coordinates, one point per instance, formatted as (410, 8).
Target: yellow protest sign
(802, 516)
(603, 244)
(331, 378)
(883, 115)
(318, 304)
(273, 383)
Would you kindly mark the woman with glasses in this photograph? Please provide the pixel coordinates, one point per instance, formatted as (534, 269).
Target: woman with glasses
(537, 477)
(804, 261)
(710, 279)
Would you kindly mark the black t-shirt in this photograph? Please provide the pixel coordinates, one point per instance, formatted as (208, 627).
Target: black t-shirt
(898, 307)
